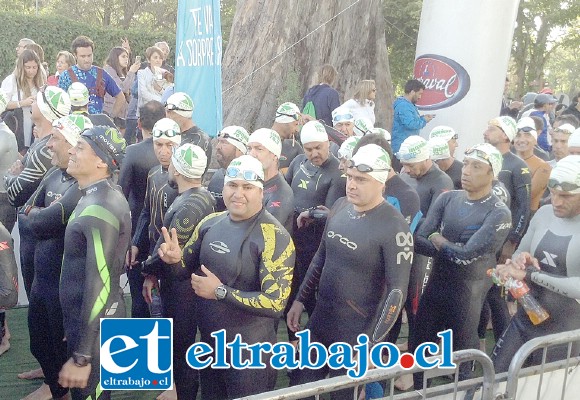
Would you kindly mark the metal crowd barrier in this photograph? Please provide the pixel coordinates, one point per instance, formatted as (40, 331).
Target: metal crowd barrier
(376, 375)
(567, 368)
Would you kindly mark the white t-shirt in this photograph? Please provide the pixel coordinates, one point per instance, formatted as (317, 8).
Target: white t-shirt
(361, 111)
(10, 87)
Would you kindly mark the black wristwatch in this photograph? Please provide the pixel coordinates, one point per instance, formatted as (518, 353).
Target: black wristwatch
(221, 292)
(81, 360)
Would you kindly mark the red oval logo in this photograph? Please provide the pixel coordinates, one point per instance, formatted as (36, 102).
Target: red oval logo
(446, 82)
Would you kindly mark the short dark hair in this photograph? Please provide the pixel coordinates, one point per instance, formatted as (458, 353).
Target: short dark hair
(81, 41)
(150, 113)
(568, 119)
(413, 85)
(374, 138)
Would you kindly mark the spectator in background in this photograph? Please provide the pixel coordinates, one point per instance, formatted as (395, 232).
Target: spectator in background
(543, 106)
(22, 46)
(64, 60)
(323, 96)
(8, 155)
(508, 106)
(117, 65)
(560, 135)
(574, 107)
(21, 87)
(362, 105)
(40, 53)
(165, 49)
(538, 151)
(151, 79)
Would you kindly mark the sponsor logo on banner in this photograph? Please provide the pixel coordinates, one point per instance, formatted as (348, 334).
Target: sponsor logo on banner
(446, 81)
(136, 353)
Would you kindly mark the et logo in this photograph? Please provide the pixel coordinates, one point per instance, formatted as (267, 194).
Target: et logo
(136, 353)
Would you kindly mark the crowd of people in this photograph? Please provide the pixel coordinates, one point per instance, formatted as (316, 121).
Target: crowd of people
(327, 215)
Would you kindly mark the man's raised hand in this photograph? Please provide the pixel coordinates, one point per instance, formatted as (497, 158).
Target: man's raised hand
(169, 251)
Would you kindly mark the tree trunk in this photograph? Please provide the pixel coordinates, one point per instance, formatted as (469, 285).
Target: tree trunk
(354, 43)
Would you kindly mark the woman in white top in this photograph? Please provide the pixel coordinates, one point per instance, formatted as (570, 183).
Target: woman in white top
(117, 65)
(151, 80)
(21, 87)
(362, 105)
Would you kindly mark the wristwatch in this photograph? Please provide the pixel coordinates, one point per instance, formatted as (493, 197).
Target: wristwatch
(81, 360)
(221, 292)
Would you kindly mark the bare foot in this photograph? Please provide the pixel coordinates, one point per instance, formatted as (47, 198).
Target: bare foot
(4, 345)
(32, 374)
(405, 382)
(168, 395)
(42, 393)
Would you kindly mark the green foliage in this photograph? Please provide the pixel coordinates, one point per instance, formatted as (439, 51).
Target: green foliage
(56, 33)
(292, 89)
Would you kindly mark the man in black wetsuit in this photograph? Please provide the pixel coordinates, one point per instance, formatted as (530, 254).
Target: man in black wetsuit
(446, 160)
(232, 142)
(315, 181)
(45, 216)
(179, 108)
(242, 261)
(357, 297)
(265, 145)
(99, 228)
(193, 203)
(138, 161)
(287, 125)
(547, 260)
(158, 197)
(462, 232)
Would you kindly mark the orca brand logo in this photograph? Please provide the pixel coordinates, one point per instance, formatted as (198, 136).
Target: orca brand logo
(136, 353)
(344, 240)
(446, 81)
(219, 247)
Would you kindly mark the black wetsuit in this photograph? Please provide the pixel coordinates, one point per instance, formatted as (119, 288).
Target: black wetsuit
(516, 177)
(357, 297)
(555, 242)
(19, 189)
(178, 297)
(96, 240)
(50, 208)
(454, 172)
(158, 197)
(198, 137)
(454, 295)
(8, 276)
(254, 258)
(216, 187)
(406, 200)
(312, 186)
(279, 200)
(290, 149)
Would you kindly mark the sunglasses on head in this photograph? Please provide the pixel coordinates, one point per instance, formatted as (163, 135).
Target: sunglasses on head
(565, 186)
(295, 116)
(479, 154)
(157, 133)
(363, 167)
(246, 174)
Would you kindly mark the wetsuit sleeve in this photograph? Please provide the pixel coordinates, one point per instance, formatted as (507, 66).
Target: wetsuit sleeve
(8, 271)
(275, 270)
(430, 225)
(397, 259)
(126, 175)
(522, 182)
(141, 235)
(491, 235)
(312, 278)
(290, 171)
(568, 286)
(336, 190)
(443, 186)
(101, 234)
(190, 257)
(20, 188)
(411, 209)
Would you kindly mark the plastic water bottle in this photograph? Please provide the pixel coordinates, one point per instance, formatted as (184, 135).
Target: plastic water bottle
(521, 292)
(156, 306)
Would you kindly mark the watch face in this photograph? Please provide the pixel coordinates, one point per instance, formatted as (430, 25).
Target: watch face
(220, 292)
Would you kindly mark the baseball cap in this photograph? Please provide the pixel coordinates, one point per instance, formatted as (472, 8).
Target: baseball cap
(53, 103)
(246, 168)
(181, 103)
(189, 160)
(268, 138)
(574, 139)
(544, 98)
(236, 136)
(362, 126)
(341, 114)
(72, 126)
(107, 143)
(566, 175)
(488, 154)
(166, 128)
(78, 94)
(3, 101)
(527, 125)
(414, 149)
(445, 132)
(439, 148)
(287, 113)
(313, 131)
(506, 124)
(347, 147)
(373, 160)
(383, 132)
